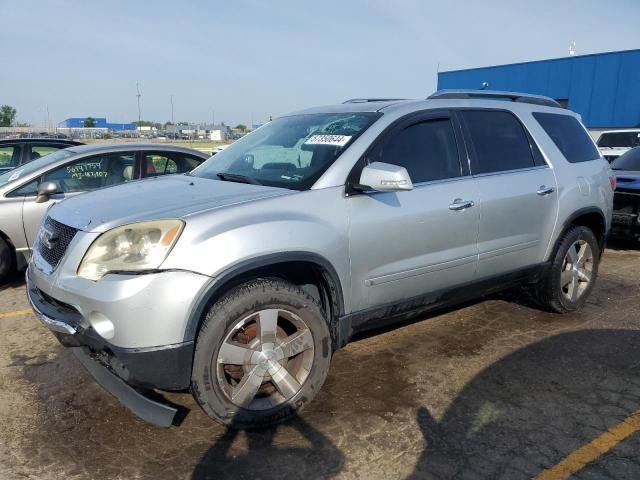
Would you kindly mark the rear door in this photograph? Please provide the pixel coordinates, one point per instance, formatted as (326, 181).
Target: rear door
(406, 244)
(517, 192)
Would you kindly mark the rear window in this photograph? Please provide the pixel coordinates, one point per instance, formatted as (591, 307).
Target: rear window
(619, 140)
(569, 136)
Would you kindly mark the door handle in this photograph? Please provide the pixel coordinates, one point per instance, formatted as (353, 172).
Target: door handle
(544, 190)
(459, 204)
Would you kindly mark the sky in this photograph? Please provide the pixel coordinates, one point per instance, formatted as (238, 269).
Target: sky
(240, 61)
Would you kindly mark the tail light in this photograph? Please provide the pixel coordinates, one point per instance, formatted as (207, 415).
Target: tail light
(612, 182)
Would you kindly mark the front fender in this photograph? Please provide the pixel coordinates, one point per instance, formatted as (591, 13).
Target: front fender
(313, 223)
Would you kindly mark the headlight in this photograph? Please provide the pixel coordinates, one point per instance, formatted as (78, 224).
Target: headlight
(130, 248)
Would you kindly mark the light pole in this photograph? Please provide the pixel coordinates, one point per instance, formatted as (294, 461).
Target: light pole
(138, 95)
(172, 110)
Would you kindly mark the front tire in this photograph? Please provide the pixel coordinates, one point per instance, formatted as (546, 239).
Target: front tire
(262, 354)
(570, 278)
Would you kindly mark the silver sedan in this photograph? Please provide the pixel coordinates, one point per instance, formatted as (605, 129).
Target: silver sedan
(28, 191)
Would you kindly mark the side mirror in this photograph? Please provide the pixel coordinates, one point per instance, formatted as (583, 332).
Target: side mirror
(45, 190)
(384, 177)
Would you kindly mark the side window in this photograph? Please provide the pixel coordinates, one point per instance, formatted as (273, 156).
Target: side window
(499, 141)
(167, 164)
(538, 159)
(427, 150)
(569, 136)
(93, 172)
(38, 151)
(28, 190)
(9, 156)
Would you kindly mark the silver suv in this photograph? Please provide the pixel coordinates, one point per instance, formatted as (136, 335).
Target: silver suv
(239, 280)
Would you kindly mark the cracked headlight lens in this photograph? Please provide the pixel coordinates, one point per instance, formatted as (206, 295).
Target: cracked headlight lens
(130, 248)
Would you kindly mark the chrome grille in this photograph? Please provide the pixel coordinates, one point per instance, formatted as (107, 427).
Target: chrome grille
(53, 240)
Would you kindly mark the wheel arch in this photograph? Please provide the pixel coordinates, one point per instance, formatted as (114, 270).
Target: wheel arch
(301, 268)
(591, 217)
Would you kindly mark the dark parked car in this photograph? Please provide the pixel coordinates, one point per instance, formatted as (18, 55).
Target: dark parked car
(626, 202)
(18, 151)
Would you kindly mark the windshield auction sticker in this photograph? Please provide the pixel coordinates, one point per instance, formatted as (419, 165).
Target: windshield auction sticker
(334, 140)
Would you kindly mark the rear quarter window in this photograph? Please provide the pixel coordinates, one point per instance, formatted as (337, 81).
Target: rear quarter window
(569, 136)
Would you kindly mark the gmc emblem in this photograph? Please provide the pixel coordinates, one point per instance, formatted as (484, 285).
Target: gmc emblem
(47, 238)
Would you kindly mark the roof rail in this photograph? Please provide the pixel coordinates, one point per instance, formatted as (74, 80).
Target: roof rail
(496, 95)
(367, 100)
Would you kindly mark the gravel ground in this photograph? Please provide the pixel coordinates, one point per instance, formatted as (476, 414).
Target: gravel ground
(496, 389)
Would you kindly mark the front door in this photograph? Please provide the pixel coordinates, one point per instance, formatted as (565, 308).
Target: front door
(407, 244)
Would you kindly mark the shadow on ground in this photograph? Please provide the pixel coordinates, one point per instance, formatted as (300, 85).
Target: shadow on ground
(618, 243)
(15, 280)
(525, 411)
(529, 410)
(315, 457)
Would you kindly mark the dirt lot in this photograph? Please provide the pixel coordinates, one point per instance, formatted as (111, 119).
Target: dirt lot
(495, 390)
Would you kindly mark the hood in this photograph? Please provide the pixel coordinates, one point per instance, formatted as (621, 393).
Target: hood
(175, 196)
(627, 180)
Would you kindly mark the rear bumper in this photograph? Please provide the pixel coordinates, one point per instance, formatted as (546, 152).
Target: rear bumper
(626, 213)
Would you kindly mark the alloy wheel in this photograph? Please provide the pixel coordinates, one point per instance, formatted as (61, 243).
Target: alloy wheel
(577, 270)
(265, 359)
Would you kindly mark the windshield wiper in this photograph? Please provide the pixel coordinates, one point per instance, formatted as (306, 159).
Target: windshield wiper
(234, 177)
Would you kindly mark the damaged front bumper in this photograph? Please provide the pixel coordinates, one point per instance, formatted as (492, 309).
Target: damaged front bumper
(128, 374)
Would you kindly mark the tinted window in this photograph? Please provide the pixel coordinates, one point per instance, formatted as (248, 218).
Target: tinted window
(629, 161)
(93, 172)
(538, 159)
(569, 136)
(38, 151)
(427, 150)
(9, 155)
(499, 141)
(619, 139)
(169, 163)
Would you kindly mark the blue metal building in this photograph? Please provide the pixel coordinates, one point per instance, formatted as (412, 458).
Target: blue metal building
(604, 88)
(101, 122)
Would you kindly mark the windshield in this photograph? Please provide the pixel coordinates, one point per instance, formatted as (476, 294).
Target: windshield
(31, 167)
(629, 161)
(289, 152)
(619, 140)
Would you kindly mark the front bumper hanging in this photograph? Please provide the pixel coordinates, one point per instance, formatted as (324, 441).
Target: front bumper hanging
(130, 375)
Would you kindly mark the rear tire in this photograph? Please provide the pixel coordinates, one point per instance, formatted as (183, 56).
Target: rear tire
(262, 354)
(7, 260)
(569, 279)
